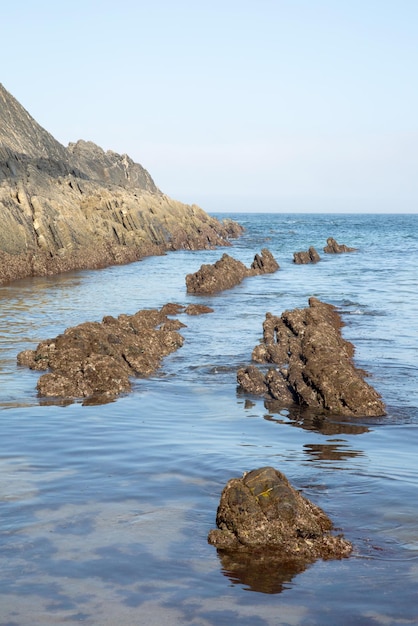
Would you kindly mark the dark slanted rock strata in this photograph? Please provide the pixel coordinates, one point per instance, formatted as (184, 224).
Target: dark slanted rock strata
(314, 364)
(64, 208)
(228, 272)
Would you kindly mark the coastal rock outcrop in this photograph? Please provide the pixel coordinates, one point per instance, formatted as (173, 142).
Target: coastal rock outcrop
(333, 247)
(304, 257)
(314, 364)
(261, 511)
(96, 360)
(81, 207)
(228, 272)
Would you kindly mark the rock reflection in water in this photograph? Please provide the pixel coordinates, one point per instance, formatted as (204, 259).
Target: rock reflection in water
(260, 571)
(311, 420)
(330, 452)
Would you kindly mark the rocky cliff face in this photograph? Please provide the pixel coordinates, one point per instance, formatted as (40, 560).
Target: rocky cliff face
(80, 207)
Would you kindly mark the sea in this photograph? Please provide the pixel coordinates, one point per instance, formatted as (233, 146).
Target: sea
(105, 510)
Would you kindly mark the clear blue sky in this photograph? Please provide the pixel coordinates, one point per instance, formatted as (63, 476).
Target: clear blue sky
(262, 105)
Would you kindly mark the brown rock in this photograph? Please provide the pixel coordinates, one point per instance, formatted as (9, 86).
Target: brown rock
(333, 247)
(310, 256)
(316, 366)
(262, 512)
(228, 272)
(97, 360)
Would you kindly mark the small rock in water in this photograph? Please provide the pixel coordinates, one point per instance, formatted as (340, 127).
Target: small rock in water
(333, 247)
(310, 256)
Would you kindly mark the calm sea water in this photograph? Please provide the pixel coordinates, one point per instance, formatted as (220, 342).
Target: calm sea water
(105, 510)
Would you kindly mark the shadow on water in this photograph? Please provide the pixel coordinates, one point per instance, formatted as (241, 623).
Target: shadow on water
(311, 420)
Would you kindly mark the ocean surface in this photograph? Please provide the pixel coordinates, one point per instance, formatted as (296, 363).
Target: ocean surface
(105, 510)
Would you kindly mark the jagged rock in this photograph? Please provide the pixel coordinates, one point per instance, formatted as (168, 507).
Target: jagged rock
(264, 263)
(262, 513)
(333, 247)
(310, 256)
(96, 360)
(228, 272)
(80, 207)
(316, 366)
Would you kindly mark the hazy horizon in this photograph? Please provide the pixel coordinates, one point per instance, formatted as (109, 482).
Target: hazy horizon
(274, 106)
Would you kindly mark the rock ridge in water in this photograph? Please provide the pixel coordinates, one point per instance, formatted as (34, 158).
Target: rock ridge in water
(228, 272)
(81, 207)
(314, 364)
(96, 361)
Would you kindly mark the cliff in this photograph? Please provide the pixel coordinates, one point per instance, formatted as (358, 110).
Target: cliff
(81, 207)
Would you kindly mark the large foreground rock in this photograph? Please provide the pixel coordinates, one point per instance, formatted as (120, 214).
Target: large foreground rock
(315, 364)
(80, 207)
(96, 360)
(228, 272)
(262, 512)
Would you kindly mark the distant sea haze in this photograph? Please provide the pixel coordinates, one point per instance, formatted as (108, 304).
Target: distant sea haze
(106, 509)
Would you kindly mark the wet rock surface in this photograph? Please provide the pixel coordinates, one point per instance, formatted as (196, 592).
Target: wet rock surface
(262, 514)
(304, 257)
(315, 364)
(228, 272)
(333, 247)
(97, 360)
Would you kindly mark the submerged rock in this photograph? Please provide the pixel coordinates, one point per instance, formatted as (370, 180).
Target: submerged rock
(98, 359)
(310, 256)
(198, 309)
(315, 364)
(333, 247)
(228, 272)
(262, 513)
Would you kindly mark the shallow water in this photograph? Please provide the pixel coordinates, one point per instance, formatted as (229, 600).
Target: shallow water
(105, 510)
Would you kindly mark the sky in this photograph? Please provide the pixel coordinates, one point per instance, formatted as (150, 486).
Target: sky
(234, 105)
